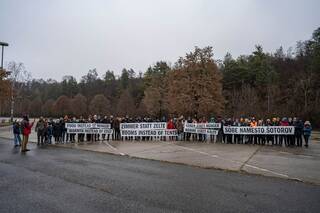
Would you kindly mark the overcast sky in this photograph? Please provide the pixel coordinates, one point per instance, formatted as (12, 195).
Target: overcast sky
(54, 38)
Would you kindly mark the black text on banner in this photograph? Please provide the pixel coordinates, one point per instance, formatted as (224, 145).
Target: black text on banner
(259, 130)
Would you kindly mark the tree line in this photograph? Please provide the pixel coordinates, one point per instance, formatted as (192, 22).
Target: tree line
(261, 84)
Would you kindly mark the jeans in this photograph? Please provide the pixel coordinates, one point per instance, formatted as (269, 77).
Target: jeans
(17, 139)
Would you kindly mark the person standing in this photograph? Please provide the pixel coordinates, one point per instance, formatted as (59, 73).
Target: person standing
(307, 132)
(50, 131)
(26, 130)
(40, 128)
(64, 134)
(298, 131)
(179, 126)
(16, 133)
(284, 122)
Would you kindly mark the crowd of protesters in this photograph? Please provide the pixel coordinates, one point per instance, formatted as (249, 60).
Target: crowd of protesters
(49, 130)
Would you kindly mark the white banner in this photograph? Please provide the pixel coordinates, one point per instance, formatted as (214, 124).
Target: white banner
(201, 131)
(203, 125)
(90, 131)
(145, 125)
(148, 132)
(259, 130)
(87, 126)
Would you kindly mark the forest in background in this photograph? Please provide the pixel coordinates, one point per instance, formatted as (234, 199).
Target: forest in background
(262, 84)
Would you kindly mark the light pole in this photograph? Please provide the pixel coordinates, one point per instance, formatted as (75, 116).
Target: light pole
(4, 44)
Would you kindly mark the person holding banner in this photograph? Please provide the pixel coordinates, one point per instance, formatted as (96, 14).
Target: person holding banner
(170, 125)
(72, 136)
(261, 138)
(212, 120)
(179, 126)
(298, 131)
(105, 120)
(116, 126)
(269, 138)
(253, 124)
(89, 136)
(236, 136)
(284, 122)
(81, 135)
(64, 135)
(291, 138)
(229, 136)
(276, 137)
(96, 137)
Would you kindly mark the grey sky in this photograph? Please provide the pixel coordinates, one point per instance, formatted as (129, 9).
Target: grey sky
(54, 38)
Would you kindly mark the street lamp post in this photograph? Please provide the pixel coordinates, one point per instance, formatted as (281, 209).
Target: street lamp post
(4, 44)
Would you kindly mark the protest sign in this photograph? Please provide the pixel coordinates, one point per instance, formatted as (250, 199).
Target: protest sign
(148, 132)
(201, 131)
(203, 125)
(202, 128)
(144, 129)
(90, 131)
(259, 130)
(87, 126)
(144, 125)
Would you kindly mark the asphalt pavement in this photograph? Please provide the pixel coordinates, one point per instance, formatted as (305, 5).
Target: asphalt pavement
(54, 179)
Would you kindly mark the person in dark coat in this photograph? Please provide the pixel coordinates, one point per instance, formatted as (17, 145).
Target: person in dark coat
(56, 131)
(298, 131)
(40, 129)
(16, 133)
(116, 125)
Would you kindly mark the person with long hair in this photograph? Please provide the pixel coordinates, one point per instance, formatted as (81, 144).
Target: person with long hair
(26, 130)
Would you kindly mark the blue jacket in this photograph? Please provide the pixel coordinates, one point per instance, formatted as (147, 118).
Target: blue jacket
(307, 130)
(16, 128)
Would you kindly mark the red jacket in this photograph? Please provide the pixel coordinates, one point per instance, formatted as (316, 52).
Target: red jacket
(284, 123)
(27, 128)
(170, 125)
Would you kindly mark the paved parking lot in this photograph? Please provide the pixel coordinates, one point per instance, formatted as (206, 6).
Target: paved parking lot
(292, 163)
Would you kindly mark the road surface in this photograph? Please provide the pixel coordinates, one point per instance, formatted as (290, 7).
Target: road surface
(51, 179)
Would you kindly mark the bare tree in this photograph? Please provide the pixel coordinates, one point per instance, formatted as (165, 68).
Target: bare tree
(18, 76)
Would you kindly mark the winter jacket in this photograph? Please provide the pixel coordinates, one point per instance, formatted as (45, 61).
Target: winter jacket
(298, 128)
(284, 123)
(50, 130)
(307, 130)
(40, 126)
(170, 125)
(26, 127)
(179, 126)
(16, 128)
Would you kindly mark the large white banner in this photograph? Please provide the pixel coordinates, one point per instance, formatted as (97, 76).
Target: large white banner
(202, 128)
(203, 125)
(154, 129)
(259, 130)
(201, 131)
(90, 131)
(87, 126)
(148, 132)
(144, 125)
